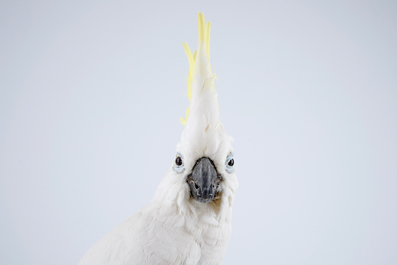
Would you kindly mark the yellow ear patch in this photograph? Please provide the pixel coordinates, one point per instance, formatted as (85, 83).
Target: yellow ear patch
(204, 30)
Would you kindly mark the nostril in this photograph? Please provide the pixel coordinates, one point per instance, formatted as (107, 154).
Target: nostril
(196, 186)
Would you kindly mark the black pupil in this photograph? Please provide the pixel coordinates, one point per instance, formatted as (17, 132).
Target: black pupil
(178, 161)
(231, 162)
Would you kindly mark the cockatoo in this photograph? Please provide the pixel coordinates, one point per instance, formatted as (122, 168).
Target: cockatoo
(189, 219)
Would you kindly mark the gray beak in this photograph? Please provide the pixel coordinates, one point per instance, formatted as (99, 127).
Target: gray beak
(204, 180)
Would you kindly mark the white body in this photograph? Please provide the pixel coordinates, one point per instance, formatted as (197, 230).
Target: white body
(160, 234)
(174, 228)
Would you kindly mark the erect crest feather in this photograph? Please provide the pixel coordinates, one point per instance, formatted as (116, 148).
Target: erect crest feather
(204, 30)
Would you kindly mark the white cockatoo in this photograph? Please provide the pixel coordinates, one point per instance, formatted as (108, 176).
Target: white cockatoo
(188, 220)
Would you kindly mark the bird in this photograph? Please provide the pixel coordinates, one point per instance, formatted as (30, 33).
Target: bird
(188, 221)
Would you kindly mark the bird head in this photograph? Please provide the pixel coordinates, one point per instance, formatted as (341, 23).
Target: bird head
(203, 170)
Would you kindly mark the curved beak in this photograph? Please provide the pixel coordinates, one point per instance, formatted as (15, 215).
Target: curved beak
(204, 180)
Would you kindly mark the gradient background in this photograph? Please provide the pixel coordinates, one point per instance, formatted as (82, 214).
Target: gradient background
(90, 98)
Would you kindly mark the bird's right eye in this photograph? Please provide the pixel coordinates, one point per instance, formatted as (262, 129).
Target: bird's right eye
(179, 166)
(178, 161)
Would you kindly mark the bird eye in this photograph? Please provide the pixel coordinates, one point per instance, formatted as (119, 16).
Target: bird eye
(179, 166)
(178, 161)
(229, 163)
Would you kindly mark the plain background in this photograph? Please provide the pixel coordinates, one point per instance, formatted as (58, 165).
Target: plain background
(90, 98)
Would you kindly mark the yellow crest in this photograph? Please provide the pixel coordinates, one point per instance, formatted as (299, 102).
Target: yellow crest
(204, 30)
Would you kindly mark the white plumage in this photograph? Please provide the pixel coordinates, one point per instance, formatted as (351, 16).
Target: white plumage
(175, 227)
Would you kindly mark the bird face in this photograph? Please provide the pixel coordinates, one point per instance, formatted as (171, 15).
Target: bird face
(206, 170)
(204, 180)
(204, 154)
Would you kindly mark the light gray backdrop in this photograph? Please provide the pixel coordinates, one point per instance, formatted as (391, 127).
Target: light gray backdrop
(90, 99)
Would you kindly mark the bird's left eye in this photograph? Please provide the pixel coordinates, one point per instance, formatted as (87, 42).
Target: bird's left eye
(179, 165)
(229, 163)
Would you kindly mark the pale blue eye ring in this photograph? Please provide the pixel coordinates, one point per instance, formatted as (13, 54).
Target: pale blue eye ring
(179, 165)
(229, 163)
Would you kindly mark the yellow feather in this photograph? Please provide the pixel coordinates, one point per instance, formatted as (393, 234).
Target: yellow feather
(201, 27)
(191, 71)
(207, 44)
(204, 31)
